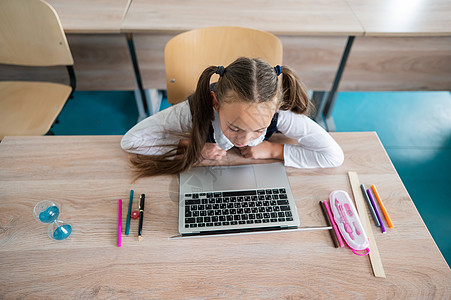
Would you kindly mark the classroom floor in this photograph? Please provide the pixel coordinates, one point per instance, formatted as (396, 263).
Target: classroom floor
(414, 127)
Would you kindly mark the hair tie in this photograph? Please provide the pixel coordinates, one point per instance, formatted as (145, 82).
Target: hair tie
(220, 71)
(278, 70)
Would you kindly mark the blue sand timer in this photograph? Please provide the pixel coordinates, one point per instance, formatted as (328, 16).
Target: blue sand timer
(48, 212)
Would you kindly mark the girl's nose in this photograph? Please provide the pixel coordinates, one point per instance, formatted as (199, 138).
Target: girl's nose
(245, 138)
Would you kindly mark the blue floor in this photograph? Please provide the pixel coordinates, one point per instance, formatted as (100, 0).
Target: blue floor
(414, 127)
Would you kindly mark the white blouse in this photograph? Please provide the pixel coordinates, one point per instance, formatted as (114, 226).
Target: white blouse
(315, 148)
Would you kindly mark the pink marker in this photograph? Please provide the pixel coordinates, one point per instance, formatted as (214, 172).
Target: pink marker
(334, 226)
(119, 224)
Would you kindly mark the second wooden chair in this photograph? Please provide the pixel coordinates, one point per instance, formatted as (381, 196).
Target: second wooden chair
(31, 35)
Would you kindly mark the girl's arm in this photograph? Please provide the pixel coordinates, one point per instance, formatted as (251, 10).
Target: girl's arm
(315, 148)
(148, 136)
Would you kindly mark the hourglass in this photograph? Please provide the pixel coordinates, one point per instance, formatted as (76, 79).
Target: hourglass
(48, 212)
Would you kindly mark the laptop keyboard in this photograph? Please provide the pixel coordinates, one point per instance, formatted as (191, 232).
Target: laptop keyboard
(214, 209)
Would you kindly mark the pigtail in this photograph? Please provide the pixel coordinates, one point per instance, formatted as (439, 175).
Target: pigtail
(178, 159)
(295, 96)
(202, 115)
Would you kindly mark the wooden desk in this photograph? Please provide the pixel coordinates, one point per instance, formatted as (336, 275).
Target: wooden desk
(308, 17)
(101, 56)
(313, 33)
(88, 174)
(406, 46)
(85, 16)
(403, 18)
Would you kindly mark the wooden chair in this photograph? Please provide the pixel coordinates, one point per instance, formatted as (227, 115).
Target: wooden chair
(189, 53)
(31, 35)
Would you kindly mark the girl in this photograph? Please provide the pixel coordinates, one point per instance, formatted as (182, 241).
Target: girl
(243, 109)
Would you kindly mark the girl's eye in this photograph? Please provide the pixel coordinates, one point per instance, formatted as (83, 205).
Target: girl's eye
(234, 129)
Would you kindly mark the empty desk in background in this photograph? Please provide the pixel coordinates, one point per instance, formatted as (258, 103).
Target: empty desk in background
(406, 47)
(100, 50)
(88, 174)
(313, 33)
(85, 16)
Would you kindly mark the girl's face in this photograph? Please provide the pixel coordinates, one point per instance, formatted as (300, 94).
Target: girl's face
(243, 122)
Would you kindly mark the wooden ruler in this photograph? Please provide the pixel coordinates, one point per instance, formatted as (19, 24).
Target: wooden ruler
(375, 258)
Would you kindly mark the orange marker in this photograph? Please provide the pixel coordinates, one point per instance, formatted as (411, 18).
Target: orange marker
(384, 211)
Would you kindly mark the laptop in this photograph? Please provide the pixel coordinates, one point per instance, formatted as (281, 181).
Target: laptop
(231, 199)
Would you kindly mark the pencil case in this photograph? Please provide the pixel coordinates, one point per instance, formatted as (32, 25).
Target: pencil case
(348, 222)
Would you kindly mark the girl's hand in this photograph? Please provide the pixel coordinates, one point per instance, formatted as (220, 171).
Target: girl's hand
(264, 150)
(213, 152)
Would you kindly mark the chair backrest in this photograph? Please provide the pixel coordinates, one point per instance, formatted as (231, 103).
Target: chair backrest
(189, 53)
(31, 34)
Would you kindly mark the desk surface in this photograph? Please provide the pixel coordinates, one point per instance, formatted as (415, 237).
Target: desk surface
(404, 18)
(87, 16)
(306, 17)
(88, 174)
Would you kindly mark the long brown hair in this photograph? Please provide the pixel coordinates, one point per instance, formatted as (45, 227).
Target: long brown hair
(252, 80)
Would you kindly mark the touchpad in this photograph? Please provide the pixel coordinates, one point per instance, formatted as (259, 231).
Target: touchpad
(233, 178)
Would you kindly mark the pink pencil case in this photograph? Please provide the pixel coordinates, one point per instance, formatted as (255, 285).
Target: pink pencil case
(348, 222)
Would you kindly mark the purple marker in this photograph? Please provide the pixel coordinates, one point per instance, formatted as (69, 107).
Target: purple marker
(376, 210)
(370, 206)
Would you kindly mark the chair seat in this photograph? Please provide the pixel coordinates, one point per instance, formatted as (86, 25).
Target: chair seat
(24, 106)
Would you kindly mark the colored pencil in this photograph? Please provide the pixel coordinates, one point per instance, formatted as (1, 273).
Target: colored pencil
(119, 223)
(334, 226)
(127, 224)
(368, 191)
(370, 206)
(384, 211)
(329, 223)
